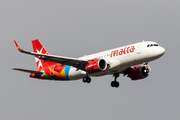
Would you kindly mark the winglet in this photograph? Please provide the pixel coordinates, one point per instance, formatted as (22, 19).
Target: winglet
(17, 45)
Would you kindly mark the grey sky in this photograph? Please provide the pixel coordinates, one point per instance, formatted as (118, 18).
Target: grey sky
(76, 27)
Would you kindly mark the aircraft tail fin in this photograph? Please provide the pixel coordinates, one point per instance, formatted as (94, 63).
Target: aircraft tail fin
(39, 48)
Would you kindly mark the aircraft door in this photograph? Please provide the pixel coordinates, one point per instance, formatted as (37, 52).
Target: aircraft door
(139, 48)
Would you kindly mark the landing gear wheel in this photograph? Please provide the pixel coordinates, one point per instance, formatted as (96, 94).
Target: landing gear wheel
(115, 84)
(87, 79)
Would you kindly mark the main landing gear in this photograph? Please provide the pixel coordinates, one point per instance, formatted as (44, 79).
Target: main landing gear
(86, 79)
(115, 83)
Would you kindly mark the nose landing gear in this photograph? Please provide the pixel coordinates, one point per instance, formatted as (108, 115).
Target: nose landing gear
(115, 83)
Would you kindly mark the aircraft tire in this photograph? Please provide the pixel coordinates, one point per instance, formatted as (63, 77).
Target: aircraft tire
(86, 80)
(115, 84)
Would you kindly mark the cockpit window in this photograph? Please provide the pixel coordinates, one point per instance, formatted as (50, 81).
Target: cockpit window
(150, 45)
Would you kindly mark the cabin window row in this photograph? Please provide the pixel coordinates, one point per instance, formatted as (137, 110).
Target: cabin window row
(150, 45)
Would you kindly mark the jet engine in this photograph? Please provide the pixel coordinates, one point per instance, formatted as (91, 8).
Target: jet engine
(139, 72)
(96, 65)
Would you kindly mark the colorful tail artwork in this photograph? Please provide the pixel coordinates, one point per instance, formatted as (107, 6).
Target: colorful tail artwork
(52, 70)
(38, 48)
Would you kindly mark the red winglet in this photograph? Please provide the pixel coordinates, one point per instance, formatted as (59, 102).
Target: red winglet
(17, 45)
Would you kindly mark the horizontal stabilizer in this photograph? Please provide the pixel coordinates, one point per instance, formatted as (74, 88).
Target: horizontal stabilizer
(28, 71)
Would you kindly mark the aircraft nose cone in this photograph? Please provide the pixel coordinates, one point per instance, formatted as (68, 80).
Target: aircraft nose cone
(161, 51)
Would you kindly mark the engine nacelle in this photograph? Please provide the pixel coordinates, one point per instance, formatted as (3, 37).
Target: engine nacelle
(139, 72)
(97, 65)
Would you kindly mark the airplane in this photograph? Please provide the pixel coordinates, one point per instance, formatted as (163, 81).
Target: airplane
(131, 60)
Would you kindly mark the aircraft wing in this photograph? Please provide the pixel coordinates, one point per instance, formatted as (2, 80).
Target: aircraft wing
(28, 71)
(77, 63)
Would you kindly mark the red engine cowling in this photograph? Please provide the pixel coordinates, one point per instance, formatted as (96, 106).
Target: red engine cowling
(96, 66)
(139, 72)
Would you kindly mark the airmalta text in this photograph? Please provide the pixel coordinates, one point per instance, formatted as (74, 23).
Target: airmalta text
(122, 51)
